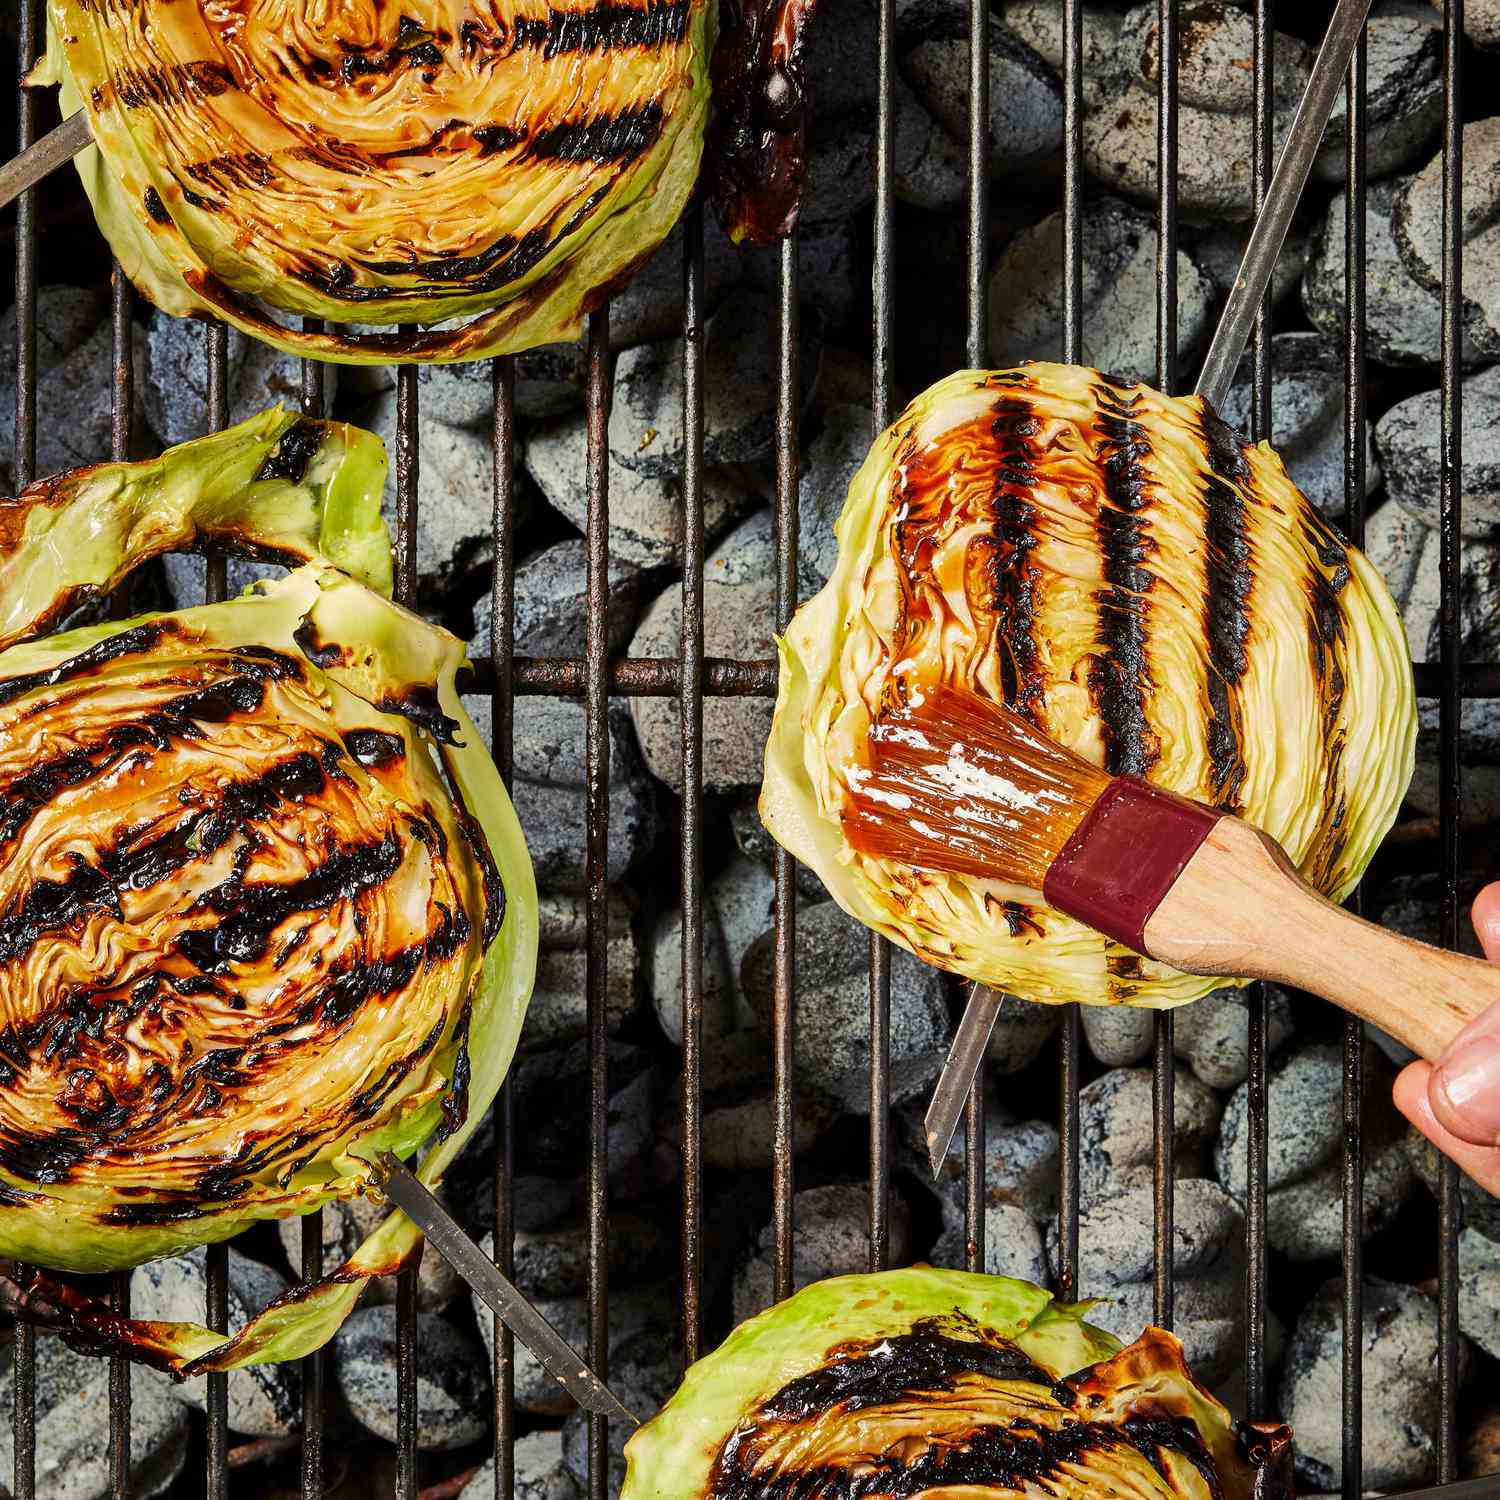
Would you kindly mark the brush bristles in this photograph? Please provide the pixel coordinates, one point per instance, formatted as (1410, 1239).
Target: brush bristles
(958, 783)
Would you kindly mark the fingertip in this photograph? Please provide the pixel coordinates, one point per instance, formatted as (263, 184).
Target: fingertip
(1485, 915)
(1411, 1094)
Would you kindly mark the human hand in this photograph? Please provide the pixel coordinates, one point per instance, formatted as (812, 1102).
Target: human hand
(1456, 1104)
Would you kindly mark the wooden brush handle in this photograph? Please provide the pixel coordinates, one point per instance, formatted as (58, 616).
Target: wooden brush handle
(1240, 908)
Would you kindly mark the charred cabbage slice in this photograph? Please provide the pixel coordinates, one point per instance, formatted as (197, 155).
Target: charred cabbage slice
(277, 486)
(265, 906)
(914, 1382)
(504, 163)
(1141, 584)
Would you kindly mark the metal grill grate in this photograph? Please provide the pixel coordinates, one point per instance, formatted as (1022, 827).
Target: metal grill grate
(692, 676)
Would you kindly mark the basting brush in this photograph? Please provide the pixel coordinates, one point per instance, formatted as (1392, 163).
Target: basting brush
(955, 783)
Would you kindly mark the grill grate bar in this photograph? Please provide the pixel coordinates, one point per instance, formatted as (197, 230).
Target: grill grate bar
(408, 478)
(596, 878)
(783, 1001)
(1163, 1062)
(1449, 723)
(1258, 1083)
(122, 381)
(502, 747)
(23, 1412)
(1354, 528)
(311, 1367)
(880, 400)
(1070, 1033)
(690, 715)
(976, 350)
(216, 1261)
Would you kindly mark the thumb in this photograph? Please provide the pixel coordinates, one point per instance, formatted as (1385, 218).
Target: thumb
(1464, 1088)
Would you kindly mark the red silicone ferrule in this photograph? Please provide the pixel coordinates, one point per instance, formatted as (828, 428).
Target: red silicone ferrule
(1125, 856)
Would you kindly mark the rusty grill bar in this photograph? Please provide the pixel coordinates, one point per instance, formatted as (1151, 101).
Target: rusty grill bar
(693, 676)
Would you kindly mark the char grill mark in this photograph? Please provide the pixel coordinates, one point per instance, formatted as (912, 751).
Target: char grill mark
(135, 641)
(1327, 576)
(1121, 678)
(602, 28)
(617, 138)
(1226, 604)
(926, 1359)
(1016, 581)
(292, 454)
(773, 1454)
(174, 86)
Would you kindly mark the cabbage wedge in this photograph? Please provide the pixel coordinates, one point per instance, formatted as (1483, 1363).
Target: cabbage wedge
(924, 1382)
(265, 907)
(1139, 583)
(504, 165)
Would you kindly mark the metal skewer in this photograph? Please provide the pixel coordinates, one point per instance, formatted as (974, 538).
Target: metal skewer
(1229, 340)
(43, 157)
(503, 1298)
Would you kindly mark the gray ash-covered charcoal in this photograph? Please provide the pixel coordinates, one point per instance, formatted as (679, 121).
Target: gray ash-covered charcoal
(739, 617)
(551, 603)
(1026, 110)
(832, 1239)
(1403, 317)
(1479, 1210)
(649, 306)
(1215, 120)
(1115, 1131)
(554, 1262)
(539, 1471)
(1212, 1035)
(1040, 24)
(550, 381)
(174, 378)
(453, 1378)
(739, 1115)
(264, 1400)
(1479, 1290)
(1012, 1243)
(1020, 1161)
(1119, 294)
(1022, 1028)
(74, 398)
(1403, 105)
(737, 911)
(1220, 250)
(841, 58)
(1115, 1257)
(1481, 21)
(643, 1373)
(550, 747)
(558, 1012)
(739, 390)
(832, 1038)
(186, 577)
(1409, 437)
(1417, 223)
(456, 495)
(1307, 416)
(831, 460)
(645, 512)
(72, 1425)
(929, 171)
(1117, 1035)
(1304, 1218)
(833, 1020)
(1400, 1387)
(631, 1310)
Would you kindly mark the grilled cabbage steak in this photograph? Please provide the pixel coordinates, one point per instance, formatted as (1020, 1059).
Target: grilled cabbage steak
(1141, 584)
(503, 163)
(927, 1382)
(265, 907)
